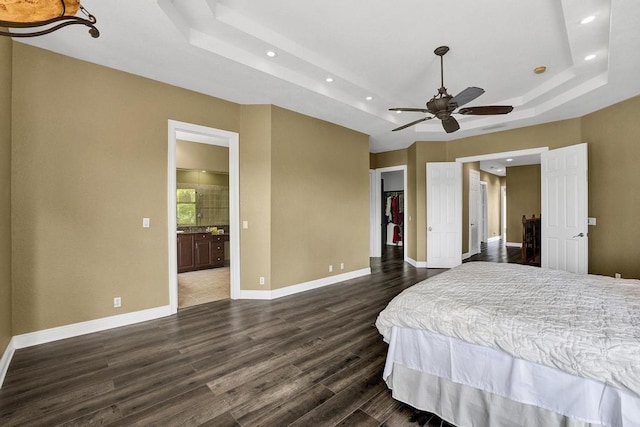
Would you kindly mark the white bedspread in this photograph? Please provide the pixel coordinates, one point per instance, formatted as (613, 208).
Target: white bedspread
(585, 325)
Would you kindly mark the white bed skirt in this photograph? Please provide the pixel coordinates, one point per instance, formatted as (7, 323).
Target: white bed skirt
(471, 385)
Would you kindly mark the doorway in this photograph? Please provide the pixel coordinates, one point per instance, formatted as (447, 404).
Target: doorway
(203, 135)
(396, 177)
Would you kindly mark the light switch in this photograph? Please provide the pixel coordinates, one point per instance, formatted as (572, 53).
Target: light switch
(591, 221)
(245, 224)
(145, 222)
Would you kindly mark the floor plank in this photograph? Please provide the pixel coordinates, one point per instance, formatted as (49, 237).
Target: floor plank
(314, 358)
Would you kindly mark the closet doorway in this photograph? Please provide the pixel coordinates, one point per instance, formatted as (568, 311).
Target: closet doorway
(389, 204)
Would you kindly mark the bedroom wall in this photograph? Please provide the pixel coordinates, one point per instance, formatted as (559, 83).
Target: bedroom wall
(5, 192)
(523, 198)
(319, 199)
(89, 162)
(255, 201)
(614, 153)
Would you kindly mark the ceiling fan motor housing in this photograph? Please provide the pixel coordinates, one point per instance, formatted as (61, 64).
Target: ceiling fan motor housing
(440, 107)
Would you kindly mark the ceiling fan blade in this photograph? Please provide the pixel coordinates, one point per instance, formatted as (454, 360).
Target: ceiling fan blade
(415, 110)
(486, 110)
(467, 95)
(412, 123)
(450, 124)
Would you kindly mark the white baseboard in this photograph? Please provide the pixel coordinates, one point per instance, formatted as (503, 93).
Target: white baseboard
(6, 359)
(466, 255)
(82, 328)
(514, 244)
(494, 239)
(416, 264)
(302, 287)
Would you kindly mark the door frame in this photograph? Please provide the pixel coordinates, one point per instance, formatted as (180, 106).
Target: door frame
(484, 212)
(375, 226)
(212, 136)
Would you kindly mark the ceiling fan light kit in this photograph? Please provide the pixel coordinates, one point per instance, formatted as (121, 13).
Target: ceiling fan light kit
(32, 18)
(442, 105)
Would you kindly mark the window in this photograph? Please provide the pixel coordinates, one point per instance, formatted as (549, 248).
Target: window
(186, 206)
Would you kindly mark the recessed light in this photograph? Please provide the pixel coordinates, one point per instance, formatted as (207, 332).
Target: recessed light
(509, 160)
(203, 171)
(590, 57)
(271, 54)
(588, 19)
(369, 98)
(398, 112)
(498, 170)
(539, 70)
(329, 79)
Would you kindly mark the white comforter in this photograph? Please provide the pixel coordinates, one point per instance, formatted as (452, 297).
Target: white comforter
(586, 325)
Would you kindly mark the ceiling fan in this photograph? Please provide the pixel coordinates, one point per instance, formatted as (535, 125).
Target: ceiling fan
(443, 105)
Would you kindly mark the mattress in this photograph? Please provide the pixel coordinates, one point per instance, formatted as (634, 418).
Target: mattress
(556, 340)
(585, 325)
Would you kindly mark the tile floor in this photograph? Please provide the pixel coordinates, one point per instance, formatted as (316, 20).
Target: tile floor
(199, 287)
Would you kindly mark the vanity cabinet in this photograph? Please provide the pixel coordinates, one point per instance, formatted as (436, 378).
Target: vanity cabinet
(199, 251)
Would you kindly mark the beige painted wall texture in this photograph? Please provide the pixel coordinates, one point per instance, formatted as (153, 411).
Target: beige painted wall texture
(5, 192)
(255, 202)
(194, 155)
(523, 198)
(89, 162)
(319, 199)
(613, 135)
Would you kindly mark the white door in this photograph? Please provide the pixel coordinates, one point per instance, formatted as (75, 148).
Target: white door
(444, 215)
(564, 209)
(474, 212)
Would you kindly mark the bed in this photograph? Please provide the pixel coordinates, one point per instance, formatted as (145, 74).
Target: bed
(487, 344)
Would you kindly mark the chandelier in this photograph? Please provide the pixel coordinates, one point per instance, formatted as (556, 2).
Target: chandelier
(31, 18)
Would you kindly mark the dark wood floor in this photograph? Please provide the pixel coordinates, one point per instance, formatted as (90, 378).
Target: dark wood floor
(497, 252)
(314, 358)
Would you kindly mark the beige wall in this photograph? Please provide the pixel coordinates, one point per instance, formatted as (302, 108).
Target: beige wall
(5, 192)
(493, 203)
(193, 155)
(613, 135)
(523, 198)
(255, 201)
(319, 199)
(89, 162)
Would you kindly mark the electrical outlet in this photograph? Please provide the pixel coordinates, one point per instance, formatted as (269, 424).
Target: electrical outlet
(261, 280)
(117, 302)
(330, 268)
(618, 276)
(145, 222)
(342, 266)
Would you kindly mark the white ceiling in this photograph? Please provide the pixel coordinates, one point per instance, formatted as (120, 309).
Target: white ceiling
(378, 48)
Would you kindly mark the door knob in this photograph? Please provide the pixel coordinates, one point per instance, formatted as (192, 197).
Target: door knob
(579, 235)
(430, 229)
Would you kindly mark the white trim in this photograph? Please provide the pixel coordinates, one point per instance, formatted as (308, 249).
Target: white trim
(302, 287)
(6, 360)
(416, 264)
(494, 239)
(212, 136)
(372, 213)
(513, 244)
(466, 255)
(90, 326)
